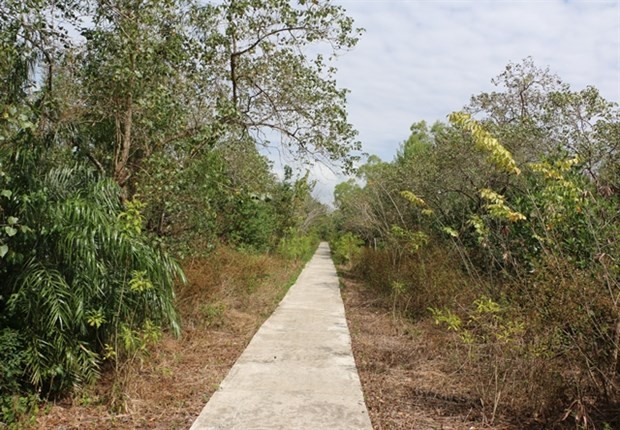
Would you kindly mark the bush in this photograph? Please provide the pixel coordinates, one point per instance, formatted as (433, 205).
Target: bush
(16, 405)
(346, 247)
(77, 274)
(297, 246)
(537, 239)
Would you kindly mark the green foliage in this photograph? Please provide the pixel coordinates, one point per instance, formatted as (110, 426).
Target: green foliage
(213, 314)
(493, 341)
(297, 246)
(346, 247)
(16, 404)
(525, 201)
(19, 412)
(411, 241)
(167, 103)
(183, 202)
(81, 271)
(12, 361)
(446, 316)
(483, 140)
(276, 83)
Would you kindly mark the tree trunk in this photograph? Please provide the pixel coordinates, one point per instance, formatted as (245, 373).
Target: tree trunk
(123, 146)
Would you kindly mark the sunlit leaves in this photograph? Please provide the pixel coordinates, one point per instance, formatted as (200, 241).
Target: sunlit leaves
(95, 318)
(139, 281)
(131, 218)
(413, 198)
(450, 231)
(496, 205)
(498, 155)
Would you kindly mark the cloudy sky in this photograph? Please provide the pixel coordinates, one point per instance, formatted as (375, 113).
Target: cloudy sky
(422, 59)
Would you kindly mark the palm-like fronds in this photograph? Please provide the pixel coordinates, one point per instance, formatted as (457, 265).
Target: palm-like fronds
(75, 265)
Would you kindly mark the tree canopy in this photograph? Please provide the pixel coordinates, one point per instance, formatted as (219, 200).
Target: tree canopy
(502, 225)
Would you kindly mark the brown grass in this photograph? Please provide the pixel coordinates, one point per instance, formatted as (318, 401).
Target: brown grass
(226, 299)
(404, 369)
(532, 377)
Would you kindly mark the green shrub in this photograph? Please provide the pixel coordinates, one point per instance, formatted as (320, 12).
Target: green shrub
(251, 224)
(346, 247)
(297, 246)
(79, 270)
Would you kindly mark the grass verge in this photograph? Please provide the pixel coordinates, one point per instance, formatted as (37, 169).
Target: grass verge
(405, 369)
(227, 298)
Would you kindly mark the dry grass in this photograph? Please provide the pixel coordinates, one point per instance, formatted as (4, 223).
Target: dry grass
(227, 298)
(404, 369)
(532, 377)
(412, 374)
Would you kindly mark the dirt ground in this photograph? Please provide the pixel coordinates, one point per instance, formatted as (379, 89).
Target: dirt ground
(401, 366)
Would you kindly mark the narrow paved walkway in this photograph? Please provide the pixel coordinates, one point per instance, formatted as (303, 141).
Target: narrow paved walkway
(298, 371)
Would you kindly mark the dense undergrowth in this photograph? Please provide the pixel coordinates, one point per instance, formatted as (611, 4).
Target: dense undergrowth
(227, 296)
(505, 232)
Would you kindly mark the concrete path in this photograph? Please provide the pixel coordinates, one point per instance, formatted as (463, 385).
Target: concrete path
(298, 371)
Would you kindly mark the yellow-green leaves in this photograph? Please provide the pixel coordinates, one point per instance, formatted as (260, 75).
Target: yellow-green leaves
(450, 232)
(488, 322)
(482, 231)
(556, 169)
(131, 218)
(95, 318)
(412, 240)
(497, 207)
(139, 281)
(446, 316)
(418, 201)
(561, 196)
(413, 198)
(484, 141)
(485, 305)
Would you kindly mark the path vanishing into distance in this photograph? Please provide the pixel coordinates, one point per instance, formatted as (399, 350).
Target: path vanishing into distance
(298, 371)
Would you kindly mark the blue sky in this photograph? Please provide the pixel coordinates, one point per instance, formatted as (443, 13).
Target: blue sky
(422, 59)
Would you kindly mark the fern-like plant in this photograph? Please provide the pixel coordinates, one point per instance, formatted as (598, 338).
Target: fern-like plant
(70, 276)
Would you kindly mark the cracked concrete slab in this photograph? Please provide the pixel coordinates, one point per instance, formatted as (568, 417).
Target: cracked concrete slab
(298, 371)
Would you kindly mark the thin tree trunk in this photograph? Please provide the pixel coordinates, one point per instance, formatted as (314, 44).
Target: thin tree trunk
(123, 146)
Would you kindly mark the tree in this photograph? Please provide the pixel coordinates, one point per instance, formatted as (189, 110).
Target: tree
(536, 114)
(76, 270)
(164, 84)
(523, 198)
(268, 81)
(151, 121)
(135, 70)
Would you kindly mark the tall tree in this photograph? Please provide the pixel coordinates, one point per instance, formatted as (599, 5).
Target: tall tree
(273, 80)
(133, 76)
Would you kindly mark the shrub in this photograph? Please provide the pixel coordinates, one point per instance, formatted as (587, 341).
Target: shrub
(346, 247)
(297, 246)
(77, 275)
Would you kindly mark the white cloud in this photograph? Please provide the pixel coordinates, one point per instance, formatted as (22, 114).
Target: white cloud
(423, 59)
(325, 181)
